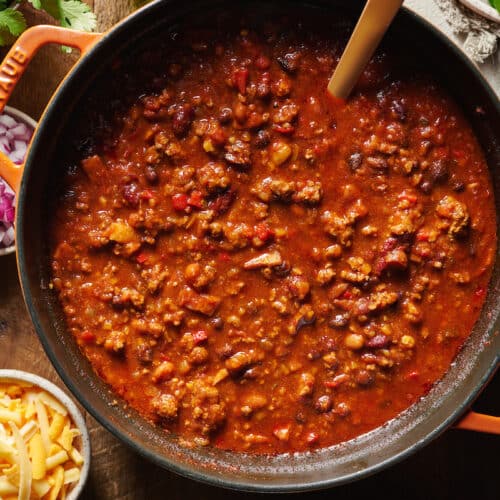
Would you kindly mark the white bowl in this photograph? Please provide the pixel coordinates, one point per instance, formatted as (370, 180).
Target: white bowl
(46, 385)
(24, 118)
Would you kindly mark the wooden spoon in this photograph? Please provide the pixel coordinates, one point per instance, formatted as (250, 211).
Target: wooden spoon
(371, 27)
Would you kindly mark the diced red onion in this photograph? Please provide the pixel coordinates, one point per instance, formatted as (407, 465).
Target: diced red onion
(7, 121)
(14, 140)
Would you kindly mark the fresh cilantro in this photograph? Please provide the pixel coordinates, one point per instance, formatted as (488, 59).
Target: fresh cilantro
(70, 13)
(12, 24)
(36, 3)
(496, 4)
(77, 15)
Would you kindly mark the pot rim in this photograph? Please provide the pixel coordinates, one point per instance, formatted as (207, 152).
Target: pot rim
(203, 475)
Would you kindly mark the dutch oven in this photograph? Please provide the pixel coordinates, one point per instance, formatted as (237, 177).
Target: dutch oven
(447, 401)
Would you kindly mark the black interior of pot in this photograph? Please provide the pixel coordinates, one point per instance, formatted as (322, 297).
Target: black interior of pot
(336, 465)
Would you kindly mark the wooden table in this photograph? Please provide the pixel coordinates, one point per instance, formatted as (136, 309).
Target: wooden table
(457, 465)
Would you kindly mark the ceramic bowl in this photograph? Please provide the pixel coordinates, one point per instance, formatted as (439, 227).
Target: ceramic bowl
(76, 416)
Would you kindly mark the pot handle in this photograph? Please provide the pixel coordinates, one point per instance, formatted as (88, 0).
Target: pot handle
(16, 62)
(479, 422)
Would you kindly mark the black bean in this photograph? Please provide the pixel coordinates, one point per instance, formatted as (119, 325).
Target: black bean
(364, 378)
(339, 321)
(378, 341)
(217, 322)
(323, 404)
(289, 62)
(131, 194)
(439, 170)
(262, 139)
(283, 270)
(144, 354)
(398, 110)
(151, 175)
(457, 185)
(182, 119)
(426, 187)
(225, 115)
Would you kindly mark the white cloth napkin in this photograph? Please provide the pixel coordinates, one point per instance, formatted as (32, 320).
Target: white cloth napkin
(481, 34)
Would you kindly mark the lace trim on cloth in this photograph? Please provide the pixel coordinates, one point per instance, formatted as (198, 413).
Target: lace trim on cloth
(481, 35)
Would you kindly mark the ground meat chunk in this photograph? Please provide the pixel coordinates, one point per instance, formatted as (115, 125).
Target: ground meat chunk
(268, 259)
(201, 303)
(404, 222)
(270, 189)
(206, 410)
(454, 214)
(213, 177)
(238, 154)
(241, 361)
(286, 113)
(163, 371)
(299, 286)
(199, 276)
(306, 384)
(342, 227)
(311, 192)
(359, 272)
(166, 406)
(115, 341)
(127, 297)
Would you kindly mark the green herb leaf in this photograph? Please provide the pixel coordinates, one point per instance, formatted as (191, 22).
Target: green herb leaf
(36, 3)
(70, 13)
(12, 24)
(77, 15)
(496, 4)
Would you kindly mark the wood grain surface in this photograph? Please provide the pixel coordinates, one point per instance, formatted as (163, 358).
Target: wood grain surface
(457, 465)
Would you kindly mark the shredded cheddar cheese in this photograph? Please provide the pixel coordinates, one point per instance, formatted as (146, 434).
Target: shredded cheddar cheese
(38, 457)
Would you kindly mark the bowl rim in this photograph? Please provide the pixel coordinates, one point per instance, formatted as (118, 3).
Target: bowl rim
(76, 415)
(23, 117)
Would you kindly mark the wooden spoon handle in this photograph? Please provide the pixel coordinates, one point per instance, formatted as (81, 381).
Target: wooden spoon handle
(371, 27)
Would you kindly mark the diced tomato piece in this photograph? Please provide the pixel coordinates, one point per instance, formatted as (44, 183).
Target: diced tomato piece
(164, 357)
(264, 232)
(195, 199)
(459, 153)
(441, 153)
(218, 136)
(262, 62)
(147, 194)
(413, 375)
(88, 337)
(200, 336)
(336, 381)
(180, 201)
(408, 196)
(422, 236)
(287, 130)
(240, 79)
(312, 438)
(141, 258)
(347, 295)
(224, 257)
